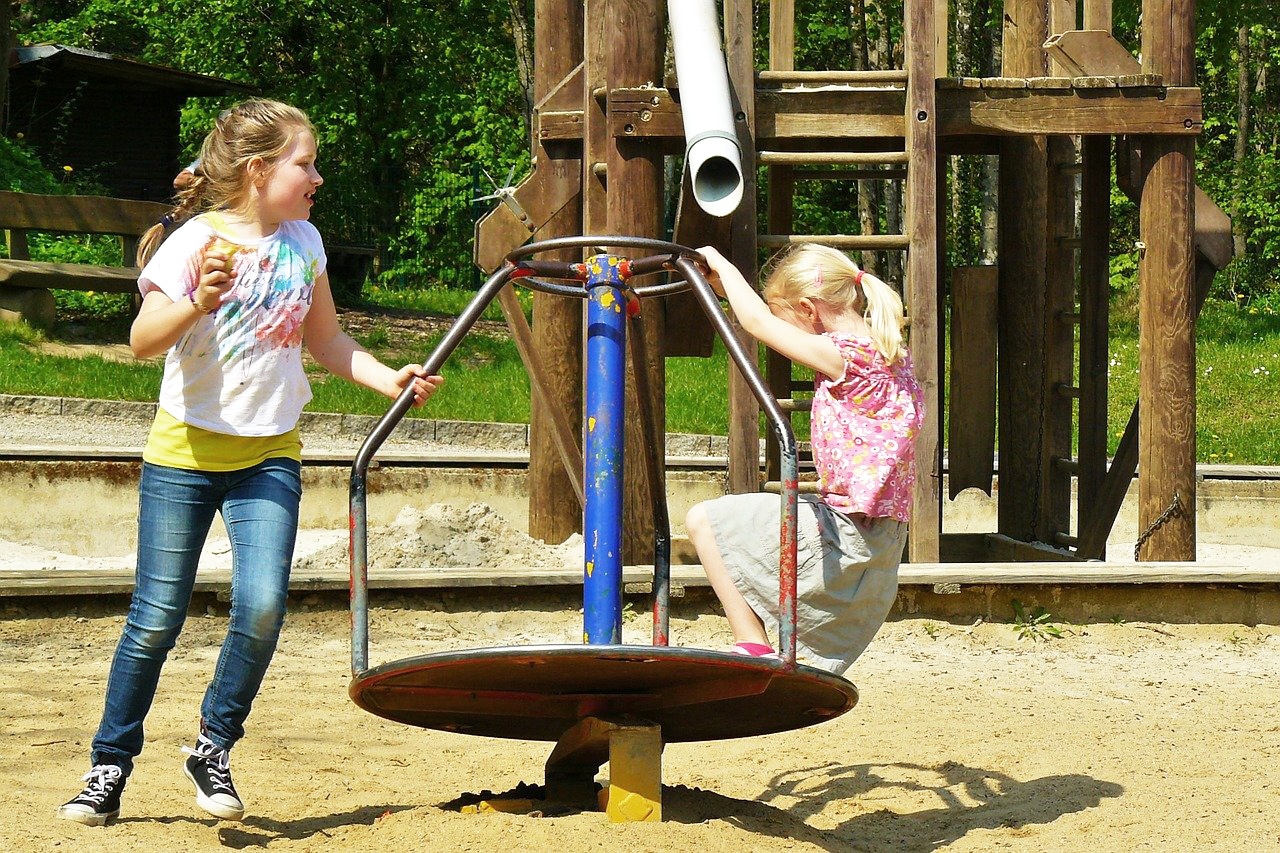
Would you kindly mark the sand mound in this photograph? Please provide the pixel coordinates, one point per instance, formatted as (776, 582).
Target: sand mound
(447, 536)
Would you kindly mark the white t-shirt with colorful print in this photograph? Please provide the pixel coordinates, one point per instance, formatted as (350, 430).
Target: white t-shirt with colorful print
(239, 369)
(863, 431)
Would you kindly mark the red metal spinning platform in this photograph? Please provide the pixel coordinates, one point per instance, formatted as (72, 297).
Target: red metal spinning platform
(540, 692)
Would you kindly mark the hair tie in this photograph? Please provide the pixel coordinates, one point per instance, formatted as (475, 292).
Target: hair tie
(857, 277)
(167, 221)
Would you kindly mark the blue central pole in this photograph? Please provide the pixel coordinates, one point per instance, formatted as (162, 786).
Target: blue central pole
(603, 493)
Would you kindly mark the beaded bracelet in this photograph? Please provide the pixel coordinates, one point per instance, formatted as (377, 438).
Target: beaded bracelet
(199, 307)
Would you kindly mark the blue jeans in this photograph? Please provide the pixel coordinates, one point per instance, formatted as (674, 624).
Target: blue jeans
(259, 506)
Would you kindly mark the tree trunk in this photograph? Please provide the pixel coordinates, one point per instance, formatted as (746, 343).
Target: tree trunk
(891, 268)
(524, 56)
(6, 41)
(868, 191)
(1242, 138)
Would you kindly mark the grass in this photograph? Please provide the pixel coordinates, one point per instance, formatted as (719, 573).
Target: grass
(1238, 380)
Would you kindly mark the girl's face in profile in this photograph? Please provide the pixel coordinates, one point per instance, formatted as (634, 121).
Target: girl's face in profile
(289, 188)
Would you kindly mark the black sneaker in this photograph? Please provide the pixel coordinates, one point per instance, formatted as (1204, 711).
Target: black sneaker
(208, 766)
(99, 802)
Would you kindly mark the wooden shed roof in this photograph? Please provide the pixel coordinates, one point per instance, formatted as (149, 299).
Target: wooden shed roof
(143, 75)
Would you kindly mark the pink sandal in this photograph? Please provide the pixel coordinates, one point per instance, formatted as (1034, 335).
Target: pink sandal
(755, 650)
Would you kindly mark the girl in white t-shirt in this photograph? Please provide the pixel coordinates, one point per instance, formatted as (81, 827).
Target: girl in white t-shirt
(230, 296)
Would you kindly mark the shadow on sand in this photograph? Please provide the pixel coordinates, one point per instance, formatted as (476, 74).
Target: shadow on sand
(967, 798)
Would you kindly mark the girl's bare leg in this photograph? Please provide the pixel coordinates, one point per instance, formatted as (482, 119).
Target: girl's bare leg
(743, 621)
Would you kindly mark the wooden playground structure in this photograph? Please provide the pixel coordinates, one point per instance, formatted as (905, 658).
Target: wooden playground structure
(1071, 103)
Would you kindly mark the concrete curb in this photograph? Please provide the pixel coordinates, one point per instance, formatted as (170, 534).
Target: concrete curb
(512, 438)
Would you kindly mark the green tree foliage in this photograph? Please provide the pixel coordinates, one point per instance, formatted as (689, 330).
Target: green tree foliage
(412, 100)
(409, 100)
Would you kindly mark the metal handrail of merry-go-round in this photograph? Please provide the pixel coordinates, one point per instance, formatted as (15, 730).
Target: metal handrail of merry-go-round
(520, 266)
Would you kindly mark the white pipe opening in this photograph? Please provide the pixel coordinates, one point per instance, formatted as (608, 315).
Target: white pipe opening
(712, 154)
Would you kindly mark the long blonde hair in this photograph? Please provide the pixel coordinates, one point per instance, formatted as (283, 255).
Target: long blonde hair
(828, 275)
(255, 128)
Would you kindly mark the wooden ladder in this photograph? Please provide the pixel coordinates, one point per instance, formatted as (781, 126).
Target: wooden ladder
(911, 156)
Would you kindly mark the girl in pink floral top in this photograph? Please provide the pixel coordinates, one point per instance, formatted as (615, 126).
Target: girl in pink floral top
(821, 310)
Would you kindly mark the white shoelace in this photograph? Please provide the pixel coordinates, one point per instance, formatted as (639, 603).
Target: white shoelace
(220, 767)
(99, 778)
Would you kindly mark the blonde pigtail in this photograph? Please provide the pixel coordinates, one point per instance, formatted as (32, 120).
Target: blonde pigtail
(189, 204)
(884, 315)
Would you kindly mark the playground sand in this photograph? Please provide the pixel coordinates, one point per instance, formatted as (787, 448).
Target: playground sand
(1111, 737)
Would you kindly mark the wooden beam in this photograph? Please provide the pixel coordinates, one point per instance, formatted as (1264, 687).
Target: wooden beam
(1023, 236)
(971, 423)
(1095, 293)
(782, 35)
(812, 114)
(562, 445)
(555, 415)
(793, 117)
(1166, 332)
(634, 175)
(1090, 53)
(1097, 15)
(591, 123)
(1172, 111)
(744, 411)
(552, 191)
(1062, 18)
(1166, 348)
(921, 286)
(781, 213)
(78, 214)
(1057, 412)
(688, 331)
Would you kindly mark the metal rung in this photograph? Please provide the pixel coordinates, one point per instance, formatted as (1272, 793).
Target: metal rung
(1069, 168)
(838, 241)
(831, 158)
(1069, 242)
(1065, 465)
(819, 78)
(1067, 390)
(805, 487)
(894, 174)
(1066, 540)
(793, 405)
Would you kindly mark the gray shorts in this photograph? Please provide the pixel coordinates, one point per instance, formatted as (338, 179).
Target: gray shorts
(846, 571)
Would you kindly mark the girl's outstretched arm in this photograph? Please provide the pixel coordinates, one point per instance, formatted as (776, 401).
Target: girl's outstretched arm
(812, 350)
(335, 350)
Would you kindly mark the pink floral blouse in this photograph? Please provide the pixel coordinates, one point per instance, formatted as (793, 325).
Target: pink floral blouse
(863, 431)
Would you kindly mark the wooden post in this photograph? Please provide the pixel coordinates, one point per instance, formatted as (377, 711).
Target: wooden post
(782, 38)
(922, 273)
(1097, 15)
(1059, 341)
(744, 411)
(1023, 223)
(554, 514)
(971, 427)
(782, 186)
(922, 287)
(1166, 333)
(634, 209)
(1095, 293)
